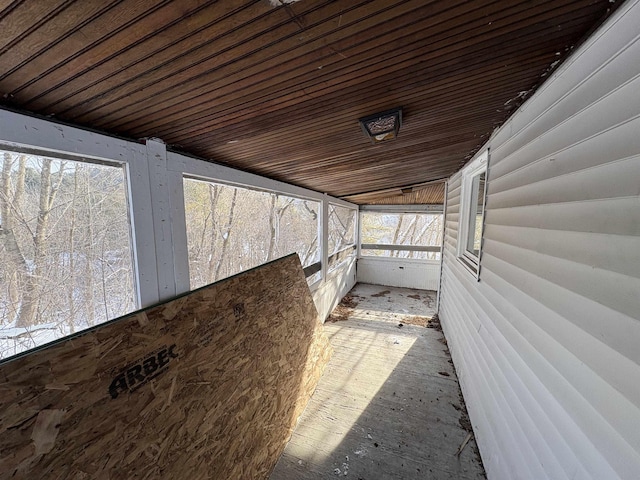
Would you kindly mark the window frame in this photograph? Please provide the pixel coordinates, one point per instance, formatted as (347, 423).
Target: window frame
(337, 258)
(310, 269)
(424, 209)
(474, 169)
(124, 165)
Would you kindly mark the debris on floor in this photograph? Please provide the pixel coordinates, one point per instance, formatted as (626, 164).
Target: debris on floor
(343, 309)
(434, 322)
(382, 293)
(416, 320)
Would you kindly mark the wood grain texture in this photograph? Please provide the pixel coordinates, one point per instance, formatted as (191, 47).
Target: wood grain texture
(278, 91)
(209, 385)
(432, 193)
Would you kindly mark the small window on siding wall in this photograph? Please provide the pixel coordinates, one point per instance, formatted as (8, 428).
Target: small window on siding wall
(472, 201)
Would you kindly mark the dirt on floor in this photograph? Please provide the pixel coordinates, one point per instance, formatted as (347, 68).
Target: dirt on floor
(415, 297)
(415, 320)
(382, 293)
(344, 309)
(434, 322)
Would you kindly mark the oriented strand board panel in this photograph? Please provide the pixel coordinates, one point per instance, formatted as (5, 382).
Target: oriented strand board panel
(209, 385)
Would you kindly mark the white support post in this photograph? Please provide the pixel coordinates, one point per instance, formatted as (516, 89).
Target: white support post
(444, 232)
(179, 232)
(358, 234)
(324, 244)
(161, 214)
(142, 234)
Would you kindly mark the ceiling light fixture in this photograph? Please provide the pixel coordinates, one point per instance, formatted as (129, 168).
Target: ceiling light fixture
(382, 126)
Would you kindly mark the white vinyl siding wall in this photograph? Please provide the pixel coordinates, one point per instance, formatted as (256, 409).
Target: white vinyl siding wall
(547, 344)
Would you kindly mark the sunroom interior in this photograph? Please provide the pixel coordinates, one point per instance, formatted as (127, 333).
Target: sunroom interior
(472, 167)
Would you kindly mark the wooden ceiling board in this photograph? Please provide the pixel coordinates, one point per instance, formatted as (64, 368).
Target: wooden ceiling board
(289, 74)
(277, 105)
(272, 43)
(436, 107)
(131, 59)
(427, 195)
(382, 61)
(278, 90)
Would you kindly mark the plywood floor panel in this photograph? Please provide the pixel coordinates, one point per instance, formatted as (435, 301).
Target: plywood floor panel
(388, 405)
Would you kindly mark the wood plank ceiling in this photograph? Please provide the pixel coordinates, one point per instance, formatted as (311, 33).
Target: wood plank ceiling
(277, 87)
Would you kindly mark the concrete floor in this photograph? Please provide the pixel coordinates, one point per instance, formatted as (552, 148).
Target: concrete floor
(388, 405)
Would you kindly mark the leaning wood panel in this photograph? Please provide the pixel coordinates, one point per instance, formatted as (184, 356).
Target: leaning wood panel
(208, 385)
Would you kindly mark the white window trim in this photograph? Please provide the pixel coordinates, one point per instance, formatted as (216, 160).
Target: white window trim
(474, 168)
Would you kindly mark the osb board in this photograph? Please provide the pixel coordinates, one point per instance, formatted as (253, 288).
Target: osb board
(209, 385)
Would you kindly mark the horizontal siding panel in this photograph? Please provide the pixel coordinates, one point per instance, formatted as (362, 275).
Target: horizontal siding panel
(607, 418)
(478, 376)
(608, 180)
(618, 292)
(620, 254)
(582, 339)
(618, 107)
(454, 198)
(618, 69)
(454, 192)
(452, 227)
(615, 216)
(455, 181)
(602, 47)
(510, 323)
(499, 333)
(450, 244)
(615, 144)
(513, 442)
(541, 354)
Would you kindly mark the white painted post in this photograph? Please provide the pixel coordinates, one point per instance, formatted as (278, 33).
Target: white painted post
(179, 232)
(324, 244)
(161, 214)
(142, 233)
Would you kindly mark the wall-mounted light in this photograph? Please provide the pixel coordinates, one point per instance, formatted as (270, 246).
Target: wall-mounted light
(382, 126)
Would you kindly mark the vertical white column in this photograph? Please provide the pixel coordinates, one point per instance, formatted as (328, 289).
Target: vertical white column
(325, 237)
(161, 215)
(141, 213)
(179, 232)
(444, 233)
(358, 233)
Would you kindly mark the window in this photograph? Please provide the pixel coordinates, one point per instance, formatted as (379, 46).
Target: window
(401, 235)
(65, 248)
(232, 229)
(474, 182)
(342, 234)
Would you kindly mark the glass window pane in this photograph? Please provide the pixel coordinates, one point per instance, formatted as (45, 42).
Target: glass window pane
(65, 249)
(474, 236)
(401, 229)
(342, 228)
(232, 229)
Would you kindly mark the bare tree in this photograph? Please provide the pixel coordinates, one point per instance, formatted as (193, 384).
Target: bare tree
(63, 225)
(226, 233)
